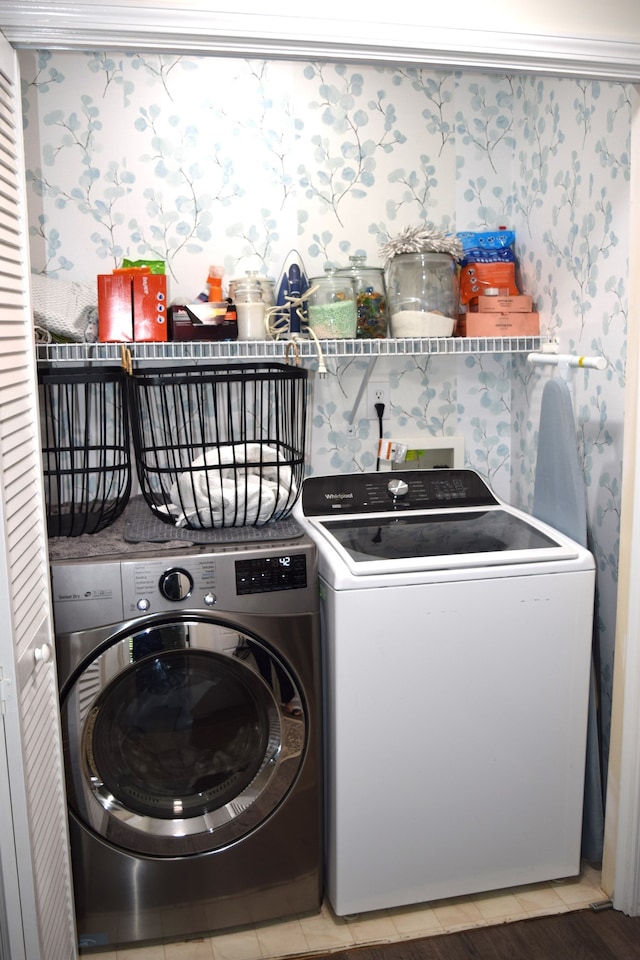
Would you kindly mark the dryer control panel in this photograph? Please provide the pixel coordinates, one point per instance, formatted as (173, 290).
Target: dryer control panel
(244, 582)
(271, 578)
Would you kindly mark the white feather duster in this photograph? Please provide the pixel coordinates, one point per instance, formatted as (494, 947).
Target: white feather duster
(421, 240)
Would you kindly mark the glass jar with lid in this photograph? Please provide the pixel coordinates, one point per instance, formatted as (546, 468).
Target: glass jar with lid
(370, 297)
(247, 294)
(332, 308)
(248, 288)
(422, 294)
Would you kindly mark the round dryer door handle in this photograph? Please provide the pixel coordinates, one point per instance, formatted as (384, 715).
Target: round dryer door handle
(42, 654)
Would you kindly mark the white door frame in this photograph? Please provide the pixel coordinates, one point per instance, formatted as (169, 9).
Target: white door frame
(621, 862)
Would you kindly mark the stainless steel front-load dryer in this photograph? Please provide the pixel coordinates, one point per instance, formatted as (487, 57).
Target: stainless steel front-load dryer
(191, 719)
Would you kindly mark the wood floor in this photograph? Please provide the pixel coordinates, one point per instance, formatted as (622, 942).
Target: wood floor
(580, 935)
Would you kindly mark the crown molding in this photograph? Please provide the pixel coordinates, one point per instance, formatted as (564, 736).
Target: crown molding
(191, 28)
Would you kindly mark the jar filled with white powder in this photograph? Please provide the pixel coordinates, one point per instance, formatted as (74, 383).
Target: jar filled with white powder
(422, 294)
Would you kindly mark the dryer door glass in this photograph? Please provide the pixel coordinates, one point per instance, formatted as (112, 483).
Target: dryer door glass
(175, 738)
(179, 734)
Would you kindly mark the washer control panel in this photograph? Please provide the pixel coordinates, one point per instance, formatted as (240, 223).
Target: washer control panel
(375, 493)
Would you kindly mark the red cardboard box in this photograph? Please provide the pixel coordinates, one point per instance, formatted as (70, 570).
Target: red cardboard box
(132, 306)
(115, 308)
(149, 307)
(500, 304)
(498, 325)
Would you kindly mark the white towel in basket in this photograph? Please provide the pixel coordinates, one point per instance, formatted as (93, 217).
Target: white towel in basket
(246, 493)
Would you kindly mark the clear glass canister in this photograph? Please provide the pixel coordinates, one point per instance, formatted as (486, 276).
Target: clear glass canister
(246, 289)
(370, 297)
(332, 308)
(250, 307)
(422, 294)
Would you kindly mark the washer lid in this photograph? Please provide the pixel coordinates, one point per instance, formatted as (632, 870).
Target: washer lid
(422, 521)
(440, 540)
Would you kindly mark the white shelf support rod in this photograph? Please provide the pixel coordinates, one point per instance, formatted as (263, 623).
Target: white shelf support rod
(363, 386)
(568, 360)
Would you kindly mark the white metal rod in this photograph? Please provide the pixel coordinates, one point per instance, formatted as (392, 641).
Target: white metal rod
(596, 363)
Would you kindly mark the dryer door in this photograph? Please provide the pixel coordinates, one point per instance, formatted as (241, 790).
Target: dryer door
(175, 739)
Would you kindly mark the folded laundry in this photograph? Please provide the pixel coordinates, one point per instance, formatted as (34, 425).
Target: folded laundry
(238, 484)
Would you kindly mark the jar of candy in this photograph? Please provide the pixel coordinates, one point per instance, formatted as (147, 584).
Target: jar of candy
(332, 307)
(370, 298)
(422, 294)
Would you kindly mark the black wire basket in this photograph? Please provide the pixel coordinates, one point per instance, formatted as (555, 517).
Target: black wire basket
(86, 448)
(219, 445)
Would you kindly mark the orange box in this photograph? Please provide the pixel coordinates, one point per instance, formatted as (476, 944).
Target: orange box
(115, 308)
(149, 307)
(500, 304)
(132, 306)
(498, 325)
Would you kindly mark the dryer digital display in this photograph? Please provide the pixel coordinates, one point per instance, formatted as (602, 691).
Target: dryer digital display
(267, 574)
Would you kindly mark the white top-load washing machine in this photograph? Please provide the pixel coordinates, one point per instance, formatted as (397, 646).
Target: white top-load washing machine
(457, 636)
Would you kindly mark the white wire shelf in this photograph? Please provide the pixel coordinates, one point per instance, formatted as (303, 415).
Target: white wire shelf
(276, 349)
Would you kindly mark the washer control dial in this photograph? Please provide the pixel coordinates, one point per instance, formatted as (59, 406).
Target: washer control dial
(176, 584)
(398, 488)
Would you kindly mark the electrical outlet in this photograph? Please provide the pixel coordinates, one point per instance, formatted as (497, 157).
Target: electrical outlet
(377, 392)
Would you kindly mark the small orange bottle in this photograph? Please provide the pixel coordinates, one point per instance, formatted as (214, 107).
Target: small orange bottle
(213, 287)
(214, 282)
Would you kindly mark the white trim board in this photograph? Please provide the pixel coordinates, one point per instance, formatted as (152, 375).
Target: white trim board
(193, 27)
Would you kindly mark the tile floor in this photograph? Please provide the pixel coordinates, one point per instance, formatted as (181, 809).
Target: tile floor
(324, 932)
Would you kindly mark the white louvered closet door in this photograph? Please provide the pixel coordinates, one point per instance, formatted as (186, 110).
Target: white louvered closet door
(34, 860)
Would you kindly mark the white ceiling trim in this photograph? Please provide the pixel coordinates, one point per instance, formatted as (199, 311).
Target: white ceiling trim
(189, 28)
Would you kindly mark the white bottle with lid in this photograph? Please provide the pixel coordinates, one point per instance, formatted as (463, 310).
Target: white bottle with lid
(250, 307)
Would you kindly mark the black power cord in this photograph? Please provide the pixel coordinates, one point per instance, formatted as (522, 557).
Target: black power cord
(380, 412)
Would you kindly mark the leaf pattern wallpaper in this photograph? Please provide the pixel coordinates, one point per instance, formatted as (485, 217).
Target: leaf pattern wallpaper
(200, 160)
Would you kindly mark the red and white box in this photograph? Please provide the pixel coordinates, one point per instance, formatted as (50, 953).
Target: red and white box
(132, 306)
(115, 308)
(149, 307)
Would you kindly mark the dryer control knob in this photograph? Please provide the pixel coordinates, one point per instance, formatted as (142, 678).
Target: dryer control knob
(176, 584)
(210, 599)
(143, 604)
(398, 488)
